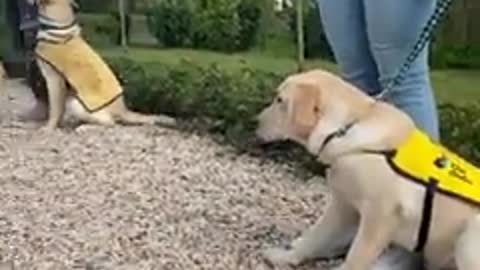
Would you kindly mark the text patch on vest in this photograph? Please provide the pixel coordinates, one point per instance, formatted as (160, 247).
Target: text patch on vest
(422, 160)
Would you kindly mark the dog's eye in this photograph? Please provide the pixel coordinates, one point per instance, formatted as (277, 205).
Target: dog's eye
(316, 109)
(279, 100)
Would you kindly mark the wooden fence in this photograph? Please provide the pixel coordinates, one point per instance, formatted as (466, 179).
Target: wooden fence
(463, 24)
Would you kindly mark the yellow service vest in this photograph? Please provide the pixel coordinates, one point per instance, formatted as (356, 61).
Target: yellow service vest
(95, 84)
(423, 161)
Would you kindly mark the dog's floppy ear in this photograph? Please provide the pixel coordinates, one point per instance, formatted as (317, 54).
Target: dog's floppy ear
(305, 108)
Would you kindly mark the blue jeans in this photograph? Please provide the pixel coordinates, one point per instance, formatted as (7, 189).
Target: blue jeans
(370, 40)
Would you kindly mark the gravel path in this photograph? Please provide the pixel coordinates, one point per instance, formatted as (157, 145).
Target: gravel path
(140, 198)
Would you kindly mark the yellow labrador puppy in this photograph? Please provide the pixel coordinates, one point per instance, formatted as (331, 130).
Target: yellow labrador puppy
(354, 135)
(59, 26)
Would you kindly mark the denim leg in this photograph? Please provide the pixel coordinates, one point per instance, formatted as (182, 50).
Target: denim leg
(393, 27)
(345, 28)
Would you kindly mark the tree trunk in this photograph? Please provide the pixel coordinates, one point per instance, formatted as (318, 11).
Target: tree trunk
(300, 36)
(265, 19)
(123, 24)
(466, 23)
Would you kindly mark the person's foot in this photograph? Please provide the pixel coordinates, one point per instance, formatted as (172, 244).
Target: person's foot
(39, 112)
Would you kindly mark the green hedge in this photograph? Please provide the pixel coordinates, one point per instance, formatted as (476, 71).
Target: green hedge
(102, 30)
(221, 25)
(226, 103)
(455, 57)
(96, 6)
(228, 99)
(171, 23)
(460, 129)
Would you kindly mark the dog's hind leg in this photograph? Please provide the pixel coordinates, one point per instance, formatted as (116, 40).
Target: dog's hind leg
(57, 94)
(468, 246)
(328, 237)
(101, 117)
(377, 225)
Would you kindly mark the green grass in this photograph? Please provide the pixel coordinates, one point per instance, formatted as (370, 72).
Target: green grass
(456, 86)
(257, 59)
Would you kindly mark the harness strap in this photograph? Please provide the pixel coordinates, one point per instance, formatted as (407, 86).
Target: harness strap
(430, 189)
(424, 231)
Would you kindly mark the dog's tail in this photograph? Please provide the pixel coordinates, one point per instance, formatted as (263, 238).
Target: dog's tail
(130, 117)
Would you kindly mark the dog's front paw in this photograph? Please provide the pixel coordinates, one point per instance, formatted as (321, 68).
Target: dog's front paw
(281, 257)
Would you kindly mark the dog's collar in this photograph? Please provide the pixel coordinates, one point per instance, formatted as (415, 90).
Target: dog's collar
(47, 23)
(341, 132)
(73, 3)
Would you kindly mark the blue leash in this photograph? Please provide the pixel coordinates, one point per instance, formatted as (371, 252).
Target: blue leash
(426, 35)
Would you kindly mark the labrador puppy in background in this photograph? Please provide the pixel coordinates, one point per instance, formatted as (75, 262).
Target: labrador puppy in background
(371, 204)
(59, 15)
